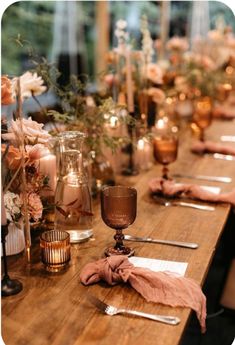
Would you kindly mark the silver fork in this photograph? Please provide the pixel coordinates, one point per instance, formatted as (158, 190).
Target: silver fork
(111, 310)
(168, 203)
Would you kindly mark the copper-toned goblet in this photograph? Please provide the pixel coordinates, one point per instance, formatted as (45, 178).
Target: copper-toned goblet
(118, 210)
(165, 145)
(202, 114)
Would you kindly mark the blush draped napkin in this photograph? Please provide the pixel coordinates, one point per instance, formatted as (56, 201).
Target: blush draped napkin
(172, 189)
(226, 112)
(211, 147)
(159, 287)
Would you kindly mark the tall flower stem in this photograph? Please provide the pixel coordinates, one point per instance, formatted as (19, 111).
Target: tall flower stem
(23, 174)
(43, 111)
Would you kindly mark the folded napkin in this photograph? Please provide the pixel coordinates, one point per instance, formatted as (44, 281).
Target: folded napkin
(226, 111)
(171, 188)
(209, 146)
(160, 287)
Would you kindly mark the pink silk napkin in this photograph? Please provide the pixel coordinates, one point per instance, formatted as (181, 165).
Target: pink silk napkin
(226, 112)
(171, 188)
(159, 287)
(211, 147)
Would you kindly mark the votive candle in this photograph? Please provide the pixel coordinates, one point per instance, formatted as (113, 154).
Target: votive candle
(55, 250)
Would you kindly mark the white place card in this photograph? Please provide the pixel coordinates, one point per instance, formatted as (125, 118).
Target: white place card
(160, 265)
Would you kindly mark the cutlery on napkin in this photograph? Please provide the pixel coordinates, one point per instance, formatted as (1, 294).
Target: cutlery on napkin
(223, 179)
(152, 240)
(201, 147)
(228, 138)
(111, 310)
(223, 157)
(168, 203)
(159, 287)
(169, 188)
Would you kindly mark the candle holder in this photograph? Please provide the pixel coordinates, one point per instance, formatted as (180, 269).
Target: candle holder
(131, 169)
(55, 250)
(9, 286)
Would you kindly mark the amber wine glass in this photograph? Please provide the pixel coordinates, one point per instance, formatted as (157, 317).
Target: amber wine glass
(118, 211)
(165, 144)
(202, 115)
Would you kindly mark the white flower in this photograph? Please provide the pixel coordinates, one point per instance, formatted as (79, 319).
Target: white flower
(177, 43)
(32, 130)
(13, 206)
(31, 84)
(215, 35)
(121, 24)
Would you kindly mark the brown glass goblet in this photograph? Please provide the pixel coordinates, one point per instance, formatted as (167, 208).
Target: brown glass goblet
(118, 211)
(165, 145)
(202, 115)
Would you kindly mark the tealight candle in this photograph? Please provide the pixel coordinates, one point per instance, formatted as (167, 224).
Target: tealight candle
(55, 250)
(143, 154)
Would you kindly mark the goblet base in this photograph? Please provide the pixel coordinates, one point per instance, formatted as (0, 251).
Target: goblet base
(111, 251)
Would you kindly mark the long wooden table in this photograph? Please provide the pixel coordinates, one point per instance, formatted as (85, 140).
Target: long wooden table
(53, 309)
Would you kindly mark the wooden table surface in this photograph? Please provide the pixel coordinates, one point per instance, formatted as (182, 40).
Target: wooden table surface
(52, 309)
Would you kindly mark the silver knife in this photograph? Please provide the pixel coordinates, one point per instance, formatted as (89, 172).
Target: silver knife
(204, 177)
(230, 138)
(171, 243)
(224, 157)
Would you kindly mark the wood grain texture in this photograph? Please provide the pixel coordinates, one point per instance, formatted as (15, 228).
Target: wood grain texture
(53, 309)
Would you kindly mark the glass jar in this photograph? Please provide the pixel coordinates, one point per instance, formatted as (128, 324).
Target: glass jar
(73, 209)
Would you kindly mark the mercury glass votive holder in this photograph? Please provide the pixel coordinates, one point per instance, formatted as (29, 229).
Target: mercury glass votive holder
(55, 250)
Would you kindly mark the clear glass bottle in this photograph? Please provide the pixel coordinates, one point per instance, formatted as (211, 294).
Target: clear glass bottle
(73, 210)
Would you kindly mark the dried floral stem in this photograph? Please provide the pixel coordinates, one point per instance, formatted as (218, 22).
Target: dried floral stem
(43, 111)
(13, 177)
(23, 175)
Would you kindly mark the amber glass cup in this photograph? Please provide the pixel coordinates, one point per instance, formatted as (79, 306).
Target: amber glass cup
(165, 145)
(202, 115)
(118, 210)
(55, 250)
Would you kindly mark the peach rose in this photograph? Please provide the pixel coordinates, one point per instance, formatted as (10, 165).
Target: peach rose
(6, 91)
(158, 96)
(13, 157)
(177, 43)
(32, 130)
(154, 73)
(31, 84)
(34, 206)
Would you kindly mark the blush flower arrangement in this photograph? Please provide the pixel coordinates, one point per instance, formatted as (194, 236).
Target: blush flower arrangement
(24, 142)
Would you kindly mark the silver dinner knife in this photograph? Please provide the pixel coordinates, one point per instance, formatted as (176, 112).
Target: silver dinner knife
(224, 179)
(152, 240)
(230, 138)
(224, 157)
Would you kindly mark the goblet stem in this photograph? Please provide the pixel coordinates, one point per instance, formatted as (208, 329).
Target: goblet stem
(202, 135)
(165, 171)
(119, 237)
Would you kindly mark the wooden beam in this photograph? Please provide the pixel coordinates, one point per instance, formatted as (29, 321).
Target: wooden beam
(102, 38)
(164, 26)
